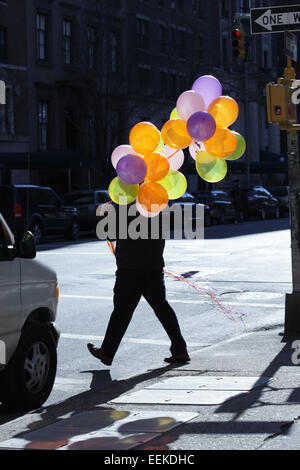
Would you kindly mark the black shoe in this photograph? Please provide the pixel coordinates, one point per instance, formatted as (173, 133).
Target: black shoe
(178, 359)
(96, 352)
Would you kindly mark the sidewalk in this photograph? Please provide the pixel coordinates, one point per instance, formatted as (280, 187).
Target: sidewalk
(251, 383)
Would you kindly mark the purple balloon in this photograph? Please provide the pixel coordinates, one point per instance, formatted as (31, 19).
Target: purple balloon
(208, 87)
(131, 169)
(201, 126)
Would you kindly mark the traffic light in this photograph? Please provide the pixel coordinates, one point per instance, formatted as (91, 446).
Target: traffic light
(238, 43)
(280, 108)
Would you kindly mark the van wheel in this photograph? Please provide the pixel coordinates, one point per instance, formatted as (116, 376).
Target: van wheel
(28, 378)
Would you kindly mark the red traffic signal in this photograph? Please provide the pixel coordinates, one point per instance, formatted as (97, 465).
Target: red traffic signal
(238, 43)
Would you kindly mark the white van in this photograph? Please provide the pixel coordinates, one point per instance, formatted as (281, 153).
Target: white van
(28, 337)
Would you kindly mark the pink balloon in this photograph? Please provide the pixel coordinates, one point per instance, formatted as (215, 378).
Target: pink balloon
(177, 160)
(208, 87)
(196, 147)
(120, 152)
(143, 211)
(189, 103)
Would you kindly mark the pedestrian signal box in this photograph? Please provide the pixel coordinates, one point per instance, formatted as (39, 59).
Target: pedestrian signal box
(279, 103)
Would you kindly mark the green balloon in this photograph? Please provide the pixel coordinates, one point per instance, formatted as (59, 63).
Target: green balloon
(174, 114)
(209, 168)
(160, 145)
(175, 184)
(122, 193)
(240, 148)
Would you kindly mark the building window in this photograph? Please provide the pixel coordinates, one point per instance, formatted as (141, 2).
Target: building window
(180, 5)
(224, 8)
(199, 50)
(113, 47)
(198, 8)
(43, 125)
(143, 33)
(163, 39)
(71, 129)
(67, 42)
(41, 37)
(7, 126)
(144, 77)
(225, 53)
(3, 44)
(91, 32)
(181, 44)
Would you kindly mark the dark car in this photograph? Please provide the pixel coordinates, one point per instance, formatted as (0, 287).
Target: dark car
(188, 199)
(86, 203)
(38, 209)
(261, 203)
(220, 203)
(282, 193)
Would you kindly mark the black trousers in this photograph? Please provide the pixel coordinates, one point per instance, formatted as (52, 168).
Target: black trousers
(130, 286)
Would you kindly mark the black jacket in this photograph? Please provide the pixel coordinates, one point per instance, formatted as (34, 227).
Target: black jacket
(142, 254)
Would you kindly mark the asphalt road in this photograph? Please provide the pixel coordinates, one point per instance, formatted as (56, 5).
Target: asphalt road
(245, 267)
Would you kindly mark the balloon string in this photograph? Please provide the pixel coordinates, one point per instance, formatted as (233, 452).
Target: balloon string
(170, 156)
(201, 290)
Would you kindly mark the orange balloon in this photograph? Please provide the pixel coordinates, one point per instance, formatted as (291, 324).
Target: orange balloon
(153, 197)
(174, 134)
(222, 143)
(157, 166)
(225, 110)
(144, 138)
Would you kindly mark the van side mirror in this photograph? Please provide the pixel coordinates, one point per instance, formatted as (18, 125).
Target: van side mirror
(25, 246)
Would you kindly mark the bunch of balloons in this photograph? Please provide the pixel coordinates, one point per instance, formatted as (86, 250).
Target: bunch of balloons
(147, 169)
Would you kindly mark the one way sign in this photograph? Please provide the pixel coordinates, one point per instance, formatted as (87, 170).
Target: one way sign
(275, 19)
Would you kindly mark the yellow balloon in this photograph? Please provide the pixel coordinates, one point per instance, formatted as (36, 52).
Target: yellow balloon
(144, 138)
(209, 168)
(175, 134)
(222, 144)
(225, 110)
(122, 193)
(175, 184)
(174, 114)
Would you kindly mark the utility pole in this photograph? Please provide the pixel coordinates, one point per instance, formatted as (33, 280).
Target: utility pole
(282, 111)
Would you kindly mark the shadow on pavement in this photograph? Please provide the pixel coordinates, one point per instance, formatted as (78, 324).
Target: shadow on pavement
(246, 228)
(237, 407)
(79, 408)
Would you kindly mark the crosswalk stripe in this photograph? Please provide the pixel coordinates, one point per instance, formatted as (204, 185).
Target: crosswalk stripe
(178, 301)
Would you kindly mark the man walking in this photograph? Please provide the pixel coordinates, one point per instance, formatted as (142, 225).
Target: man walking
(140, 273)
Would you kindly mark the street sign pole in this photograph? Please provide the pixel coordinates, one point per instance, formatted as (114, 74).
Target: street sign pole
(292, 301)
(280, 110)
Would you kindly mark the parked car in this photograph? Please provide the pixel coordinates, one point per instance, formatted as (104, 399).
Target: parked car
(28, 337)
(86, 203)
(282, 193)
(189, 199)
(261, 203)
(220, 203)
(38, 209)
